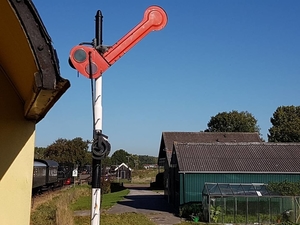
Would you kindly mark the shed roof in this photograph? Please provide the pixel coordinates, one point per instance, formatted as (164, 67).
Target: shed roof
(168, 138)
(123, 164)
(237, 157)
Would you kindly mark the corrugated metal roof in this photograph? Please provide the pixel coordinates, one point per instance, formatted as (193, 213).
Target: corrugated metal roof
(201, 137)
(238, 157)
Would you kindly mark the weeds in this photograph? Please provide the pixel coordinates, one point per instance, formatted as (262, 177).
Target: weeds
(143, 176)
(120, 219)
(56, 211)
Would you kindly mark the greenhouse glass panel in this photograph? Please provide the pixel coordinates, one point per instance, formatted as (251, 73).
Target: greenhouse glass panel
(225, 189)
(276, 210)
(229, 213)
(237, 189)
(252, 210)
(216, 210)
(241, 210)
(264, 210)
(262, 189)
(248, 204)
(288, 209)
(213, 188)
(252, 190)
(297, 209)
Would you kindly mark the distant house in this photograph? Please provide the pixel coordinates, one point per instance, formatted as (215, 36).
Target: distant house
(194, 164)
(168, 138)
(150, 166)
(122, 172)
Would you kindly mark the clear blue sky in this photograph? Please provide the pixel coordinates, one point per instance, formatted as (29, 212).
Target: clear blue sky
(213, 56)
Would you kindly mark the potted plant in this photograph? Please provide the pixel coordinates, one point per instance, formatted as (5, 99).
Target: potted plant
(279, 218)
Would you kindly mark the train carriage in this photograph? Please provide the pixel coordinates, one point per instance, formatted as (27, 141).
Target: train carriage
(44, 175)
(48, 174)
(39, 174)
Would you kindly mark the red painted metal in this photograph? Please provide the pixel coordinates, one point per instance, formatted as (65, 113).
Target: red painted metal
(99, 64)
(155, 18)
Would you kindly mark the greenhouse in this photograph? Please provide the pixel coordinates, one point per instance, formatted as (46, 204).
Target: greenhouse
(247, 204)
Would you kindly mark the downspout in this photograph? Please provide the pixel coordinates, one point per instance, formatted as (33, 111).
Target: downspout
(183, 188)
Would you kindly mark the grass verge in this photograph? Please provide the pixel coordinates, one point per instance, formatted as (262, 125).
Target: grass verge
(60, 209)
(108, 200)
(56, 210)
(120, 219)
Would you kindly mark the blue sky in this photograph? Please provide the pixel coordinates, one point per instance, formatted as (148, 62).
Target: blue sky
(213, 56)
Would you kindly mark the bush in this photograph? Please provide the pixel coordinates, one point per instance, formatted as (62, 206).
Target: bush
(114, 187)
(105, 186)
(191, 209)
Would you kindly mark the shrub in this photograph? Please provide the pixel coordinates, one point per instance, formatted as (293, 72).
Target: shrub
(105, 186)
(191, 209)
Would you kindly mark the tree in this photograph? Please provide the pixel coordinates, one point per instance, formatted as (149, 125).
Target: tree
(120, 156)
(286, 125)
(39, 152)
(106, 162)
(285, 188)
(146, 159)
(233, 121)
(69, 151)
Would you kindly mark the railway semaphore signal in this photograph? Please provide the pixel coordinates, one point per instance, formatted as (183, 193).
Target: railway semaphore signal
(92, 60)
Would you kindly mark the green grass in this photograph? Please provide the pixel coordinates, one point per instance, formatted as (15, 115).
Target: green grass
(56, 210)
(82, 203)
(120, 219)
(126, 219)
(112, 198)
(108, 200)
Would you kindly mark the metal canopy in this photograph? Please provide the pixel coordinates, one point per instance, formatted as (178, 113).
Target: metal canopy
(237, 189)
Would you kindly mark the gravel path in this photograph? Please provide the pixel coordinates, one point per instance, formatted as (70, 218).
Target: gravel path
(150, 203)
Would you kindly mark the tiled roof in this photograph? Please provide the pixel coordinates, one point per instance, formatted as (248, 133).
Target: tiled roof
(238, 157)
(208, 137)
(202, 137)
(123, 164)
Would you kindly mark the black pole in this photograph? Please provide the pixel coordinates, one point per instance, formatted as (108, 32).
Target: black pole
(99, 19)
(96, 174)
(96, 163)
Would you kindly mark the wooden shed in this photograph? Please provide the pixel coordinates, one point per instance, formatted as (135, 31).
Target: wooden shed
(123, 172)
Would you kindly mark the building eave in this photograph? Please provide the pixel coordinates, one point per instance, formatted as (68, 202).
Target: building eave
(28, 59)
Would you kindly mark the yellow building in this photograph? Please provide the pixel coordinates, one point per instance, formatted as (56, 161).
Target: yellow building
(30, 84)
